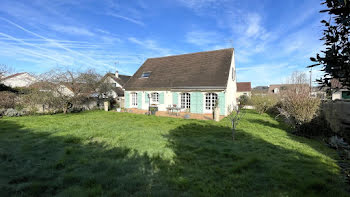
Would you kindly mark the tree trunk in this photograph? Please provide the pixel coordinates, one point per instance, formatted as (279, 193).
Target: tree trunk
(233, 130)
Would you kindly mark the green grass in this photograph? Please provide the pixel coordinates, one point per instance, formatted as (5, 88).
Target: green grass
(118, 154)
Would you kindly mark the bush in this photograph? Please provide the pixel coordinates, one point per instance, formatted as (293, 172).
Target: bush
(244, 100)
(7, 99)
(297, 105)
(262, 103)
(12, 113)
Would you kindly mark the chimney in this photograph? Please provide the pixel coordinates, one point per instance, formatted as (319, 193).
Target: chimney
(116, 74)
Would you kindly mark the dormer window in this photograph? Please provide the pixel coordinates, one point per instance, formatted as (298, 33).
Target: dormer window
(145, 74)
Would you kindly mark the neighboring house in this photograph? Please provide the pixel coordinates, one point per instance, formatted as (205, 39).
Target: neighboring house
(118, 81)
(260, 90)
(319, 92)
(191, 81)
(339, 91)
(19, 80)
(277, 88)
(244, 88)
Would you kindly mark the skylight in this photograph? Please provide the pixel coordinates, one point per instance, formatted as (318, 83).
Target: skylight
(145, 74)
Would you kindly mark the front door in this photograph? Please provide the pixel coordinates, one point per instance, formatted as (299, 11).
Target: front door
(209, 102)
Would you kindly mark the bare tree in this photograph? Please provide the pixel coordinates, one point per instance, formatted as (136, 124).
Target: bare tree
(72, 88)
(236, 114)
(4, 70)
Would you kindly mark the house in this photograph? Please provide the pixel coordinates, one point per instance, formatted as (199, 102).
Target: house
(339, 91)
(244, 88)
(19, 80)
(277, 88)
(319, 92)
(193, 82)
(118, 82)
(260, 90)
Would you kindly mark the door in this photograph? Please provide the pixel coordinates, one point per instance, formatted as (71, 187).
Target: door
(209, 102)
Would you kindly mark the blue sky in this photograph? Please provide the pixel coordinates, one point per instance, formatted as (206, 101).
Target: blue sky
(271, 38)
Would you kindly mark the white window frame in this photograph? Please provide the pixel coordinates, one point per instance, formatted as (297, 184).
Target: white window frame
(155, 97)
(185, 100)
(209, 101)
(133, 99)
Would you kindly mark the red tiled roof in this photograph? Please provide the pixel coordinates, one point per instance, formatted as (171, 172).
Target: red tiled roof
(14, 75)
(244, 87)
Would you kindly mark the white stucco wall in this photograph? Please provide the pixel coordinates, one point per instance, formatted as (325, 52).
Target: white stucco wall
(338, 94)
(23, 80)
(111, 80)
(231, 89)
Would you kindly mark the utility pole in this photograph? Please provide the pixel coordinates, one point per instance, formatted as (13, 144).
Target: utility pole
(310, 80)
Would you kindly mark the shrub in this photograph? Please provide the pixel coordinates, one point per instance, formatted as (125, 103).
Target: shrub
(7, 99)
(12, 113)
(297, 105)
(262, 103)
(244, 100)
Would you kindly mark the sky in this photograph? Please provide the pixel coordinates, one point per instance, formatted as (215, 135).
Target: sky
(271, 38)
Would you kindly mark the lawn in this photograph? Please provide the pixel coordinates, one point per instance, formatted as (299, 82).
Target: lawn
(119, 154)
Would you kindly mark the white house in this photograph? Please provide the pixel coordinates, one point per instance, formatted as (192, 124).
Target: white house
(338, 91)
(118, 81)
(19, 80)
(192, 81)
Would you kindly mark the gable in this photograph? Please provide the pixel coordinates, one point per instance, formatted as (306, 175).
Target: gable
(203, 69)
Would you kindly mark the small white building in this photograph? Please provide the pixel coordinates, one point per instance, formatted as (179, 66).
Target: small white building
(339, 92)
(19, 80)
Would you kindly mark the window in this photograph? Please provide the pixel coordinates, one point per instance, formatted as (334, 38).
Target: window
(155, 97)
(276, 90)
(233, 74)
(185, 100)
(134, 99)
(114, 84)
(145, 74)
(210, 100)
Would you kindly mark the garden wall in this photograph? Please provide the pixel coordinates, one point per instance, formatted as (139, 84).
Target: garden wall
(337, 114)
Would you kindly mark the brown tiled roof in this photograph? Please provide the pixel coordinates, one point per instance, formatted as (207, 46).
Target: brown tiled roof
(335, 84)
(202, 69)
(244, 87)
(122, 79)
(119, 91)
(14, 75)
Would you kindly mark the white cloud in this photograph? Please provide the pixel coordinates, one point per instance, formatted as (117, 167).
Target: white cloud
(202, 38)
(72, 30)
(150, 44)
(137, 22)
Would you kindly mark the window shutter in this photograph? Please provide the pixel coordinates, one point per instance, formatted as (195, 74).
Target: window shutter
(175, 98)
(127, 102)
(146, 97)
(161, 98)
(193, 102)
(221, 97)
(139, 100)
(200, 102)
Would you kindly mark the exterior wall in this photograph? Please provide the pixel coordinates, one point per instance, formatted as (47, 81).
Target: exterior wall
(110, 80)
(231, 88)
(243, 93)
(169, 98)
(338, 94)
(23, 80)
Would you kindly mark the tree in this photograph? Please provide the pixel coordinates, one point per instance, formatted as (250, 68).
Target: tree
(236, 114)
(4, 70)
(335, 60)
(72, 88)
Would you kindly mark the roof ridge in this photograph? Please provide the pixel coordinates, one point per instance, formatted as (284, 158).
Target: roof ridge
(191, 53)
